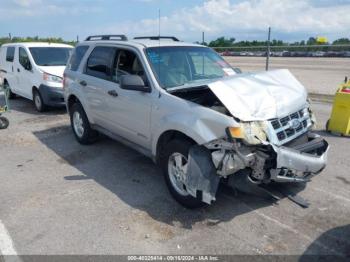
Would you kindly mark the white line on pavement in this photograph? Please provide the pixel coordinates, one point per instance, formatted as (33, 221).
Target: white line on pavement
(6, 244)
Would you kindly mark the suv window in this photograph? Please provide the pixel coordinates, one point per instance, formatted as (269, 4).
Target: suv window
(77, 56)
(24, 59)
(100, 61)
(10, 53)
(127, 63)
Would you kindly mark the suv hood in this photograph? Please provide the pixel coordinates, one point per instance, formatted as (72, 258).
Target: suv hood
(53, 70)
(261, 96)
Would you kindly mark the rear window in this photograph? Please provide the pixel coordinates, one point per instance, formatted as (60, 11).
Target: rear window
(100, 61)
(76, 58)
(10, 53)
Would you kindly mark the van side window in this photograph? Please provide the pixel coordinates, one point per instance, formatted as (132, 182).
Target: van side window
(10, 53)
(127, 63)
(100, 61)
(24, 59)
(77, 56)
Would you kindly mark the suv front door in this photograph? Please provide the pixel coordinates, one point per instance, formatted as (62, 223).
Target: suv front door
(129, 111)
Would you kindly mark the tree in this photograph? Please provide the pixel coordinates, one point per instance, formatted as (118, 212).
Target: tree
(341, 41)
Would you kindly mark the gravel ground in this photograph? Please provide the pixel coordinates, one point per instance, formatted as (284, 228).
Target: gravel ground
(59, 197)
(318, 75)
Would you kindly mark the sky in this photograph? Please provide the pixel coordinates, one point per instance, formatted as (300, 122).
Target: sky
(290, 20)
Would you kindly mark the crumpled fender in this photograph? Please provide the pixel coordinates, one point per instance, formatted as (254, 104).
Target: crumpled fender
(204, 126)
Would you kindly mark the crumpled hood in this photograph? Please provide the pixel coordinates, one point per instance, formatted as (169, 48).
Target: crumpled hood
(53, 70)
(261, 96)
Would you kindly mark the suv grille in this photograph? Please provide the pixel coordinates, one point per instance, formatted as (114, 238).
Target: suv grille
(285, 129)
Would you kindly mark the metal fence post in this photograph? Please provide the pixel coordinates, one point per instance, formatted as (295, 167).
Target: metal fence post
(268, 50)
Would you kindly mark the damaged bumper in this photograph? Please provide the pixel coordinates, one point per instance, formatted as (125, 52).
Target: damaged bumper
(264, 163)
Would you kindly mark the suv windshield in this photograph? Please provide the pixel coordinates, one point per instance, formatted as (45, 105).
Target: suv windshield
(50, 56)
(178, 66)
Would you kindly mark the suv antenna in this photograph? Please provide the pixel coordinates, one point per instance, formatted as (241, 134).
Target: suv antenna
(159, 43)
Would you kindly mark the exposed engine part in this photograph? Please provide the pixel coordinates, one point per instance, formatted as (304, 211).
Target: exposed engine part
(258, 168)
(203, 96)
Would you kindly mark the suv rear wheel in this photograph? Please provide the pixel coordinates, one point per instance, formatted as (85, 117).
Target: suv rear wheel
(81, 126)
(174, 164)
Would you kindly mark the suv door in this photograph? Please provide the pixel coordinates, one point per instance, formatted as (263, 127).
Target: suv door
(129, 111)
(9, 67)
(24, 74)
(96, 82)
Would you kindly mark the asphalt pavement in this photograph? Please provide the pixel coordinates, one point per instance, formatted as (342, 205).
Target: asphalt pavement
(59, 197)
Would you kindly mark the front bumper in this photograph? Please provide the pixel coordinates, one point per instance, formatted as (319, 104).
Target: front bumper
(52, 96)
(300, 163)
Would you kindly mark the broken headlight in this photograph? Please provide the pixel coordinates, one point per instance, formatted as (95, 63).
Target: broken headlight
(250, 132)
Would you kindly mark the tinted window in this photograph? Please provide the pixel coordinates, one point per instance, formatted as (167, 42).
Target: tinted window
(24, 59)
(77, 55)
(100, 62)
(50, 56)
(10, 54)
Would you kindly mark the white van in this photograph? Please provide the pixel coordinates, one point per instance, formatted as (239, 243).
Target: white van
(35, 71)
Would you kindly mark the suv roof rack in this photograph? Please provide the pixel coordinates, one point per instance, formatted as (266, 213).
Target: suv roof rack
(106, 37)
(158, 38)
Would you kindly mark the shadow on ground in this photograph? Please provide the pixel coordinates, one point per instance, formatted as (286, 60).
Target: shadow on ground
(138, 182)
(338, 237)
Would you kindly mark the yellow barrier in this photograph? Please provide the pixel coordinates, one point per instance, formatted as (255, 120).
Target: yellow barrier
(339, 123)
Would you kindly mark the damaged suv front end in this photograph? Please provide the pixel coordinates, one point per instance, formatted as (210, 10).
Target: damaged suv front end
(271, 142)
(258, 124)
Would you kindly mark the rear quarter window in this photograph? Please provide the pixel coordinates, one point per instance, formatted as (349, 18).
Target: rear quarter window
(100, 61)
(10, 54)
(77, 56)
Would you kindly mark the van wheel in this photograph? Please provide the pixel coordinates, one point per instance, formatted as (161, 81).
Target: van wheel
(10, 94)
(81, 126)
(38, 101)
(4, 122)
(174, 162)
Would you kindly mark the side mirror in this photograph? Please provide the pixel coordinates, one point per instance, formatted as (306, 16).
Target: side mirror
(133, 82)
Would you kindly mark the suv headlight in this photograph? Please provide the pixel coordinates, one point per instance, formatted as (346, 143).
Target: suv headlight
(52, 78)
(251, 132)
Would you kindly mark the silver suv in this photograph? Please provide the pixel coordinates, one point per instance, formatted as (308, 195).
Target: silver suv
(185, 107)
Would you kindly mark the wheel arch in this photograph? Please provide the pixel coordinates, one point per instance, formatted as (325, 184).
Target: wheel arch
(166, 137)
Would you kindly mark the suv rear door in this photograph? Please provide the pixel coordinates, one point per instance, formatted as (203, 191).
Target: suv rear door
(96, 82)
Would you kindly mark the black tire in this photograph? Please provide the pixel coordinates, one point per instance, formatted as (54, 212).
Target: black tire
(181, 146)
(38, 101)
(88, 135)
(327, 125)
(4, 122)
(10, 94)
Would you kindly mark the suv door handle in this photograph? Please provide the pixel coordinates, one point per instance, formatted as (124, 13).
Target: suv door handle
(112, 93)
(83, 83)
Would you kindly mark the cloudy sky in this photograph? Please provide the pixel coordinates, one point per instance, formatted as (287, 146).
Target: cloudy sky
(243, 19)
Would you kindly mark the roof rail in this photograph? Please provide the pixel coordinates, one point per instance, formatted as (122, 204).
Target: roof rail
(158, 38)
(106, 37)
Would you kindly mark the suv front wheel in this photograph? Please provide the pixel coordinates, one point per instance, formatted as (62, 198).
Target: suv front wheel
(174, 163)
(81, 126)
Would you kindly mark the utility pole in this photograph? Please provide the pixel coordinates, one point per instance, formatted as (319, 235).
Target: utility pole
(203, 38)
(268, 50)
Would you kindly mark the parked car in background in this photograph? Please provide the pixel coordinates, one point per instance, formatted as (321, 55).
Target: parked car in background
(35, 71)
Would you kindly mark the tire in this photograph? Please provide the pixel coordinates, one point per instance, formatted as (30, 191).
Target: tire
(4, 122)
(10, 94)
(82, 130)
(38, 101)
(174, 149)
